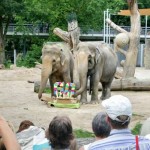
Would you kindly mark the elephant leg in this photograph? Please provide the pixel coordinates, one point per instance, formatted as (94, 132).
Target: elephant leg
(105, 90)
(52, 81)
(94, 96)
(96, 78)
(84, 97)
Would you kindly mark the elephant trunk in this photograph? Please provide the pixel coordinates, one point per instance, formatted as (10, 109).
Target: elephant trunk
(45, 73)
(83, 69)
(76, 73)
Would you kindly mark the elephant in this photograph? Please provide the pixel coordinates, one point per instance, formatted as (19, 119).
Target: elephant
(97, 61)
(57, 65)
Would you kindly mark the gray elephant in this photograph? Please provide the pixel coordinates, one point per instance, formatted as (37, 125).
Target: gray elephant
(99, 61)
(57, 65)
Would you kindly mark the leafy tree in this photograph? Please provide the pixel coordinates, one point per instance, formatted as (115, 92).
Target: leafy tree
(33, 54)
(54, 14)
(8, 10)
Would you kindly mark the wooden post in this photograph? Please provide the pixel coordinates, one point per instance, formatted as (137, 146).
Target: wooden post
(129, 64)
(74, 33)
(72, 36)
(147, 54)
(131, 57)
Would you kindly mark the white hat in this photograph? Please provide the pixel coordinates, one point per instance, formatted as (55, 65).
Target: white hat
(117, 105)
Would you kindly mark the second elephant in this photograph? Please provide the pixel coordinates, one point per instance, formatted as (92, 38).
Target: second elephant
(99, 61)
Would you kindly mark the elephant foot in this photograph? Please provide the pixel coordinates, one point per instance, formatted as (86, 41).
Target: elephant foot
(94, 102)
(104, 97)
(84, 101)
(94, 99)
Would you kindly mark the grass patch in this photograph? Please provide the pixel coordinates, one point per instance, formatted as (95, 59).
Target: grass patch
(136, 129)
(79, 133)
(47, 90)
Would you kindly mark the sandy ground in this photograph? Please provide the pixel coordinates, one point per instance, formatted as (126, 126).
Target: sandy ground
(18, 101)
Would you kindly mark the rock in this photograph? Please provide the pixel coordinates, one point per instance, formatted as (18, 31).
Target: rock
(37, 86)
(2, 66)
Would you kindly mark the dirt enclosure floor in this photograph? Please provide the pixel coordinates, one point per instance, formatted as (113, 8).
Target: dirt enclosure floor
(18, 101)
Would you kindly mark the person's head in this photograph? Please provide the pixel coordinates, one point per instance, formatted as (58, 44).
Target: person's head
(24, 125)
(100, 125)
(60, 132)
(119, 111)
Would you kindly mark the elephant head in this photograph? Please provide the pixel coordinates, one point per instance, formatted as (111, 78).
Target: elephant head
(53, 60)
(86, 58)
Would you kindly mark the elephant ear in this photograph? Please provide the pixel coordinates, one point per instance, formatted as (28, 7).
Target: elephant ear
(97, 54)
(62, 57)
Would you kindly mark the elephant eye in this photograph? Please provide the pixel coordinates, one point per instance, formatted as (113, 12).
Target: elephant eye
(54, 60)
(89, 57)
(90, 61)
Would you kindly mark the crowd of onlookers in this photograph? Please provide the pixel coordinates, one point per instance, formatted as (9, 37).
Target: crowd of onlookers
(110, 129)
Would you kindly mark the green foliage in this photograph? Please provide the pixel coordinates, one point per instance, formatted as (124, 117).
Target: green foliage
(47, 90)
(79, 133)
(137, 128)
(7, 63)
(32, 56)
(54, 13)
(10, 7)
(72, 16)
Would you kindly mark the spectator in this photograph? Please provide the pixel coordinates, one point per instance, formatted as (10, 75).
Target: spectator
(8, 140)
(31, 137)
(25, 125)
(60, 133)
(119, 111)
(100, 127)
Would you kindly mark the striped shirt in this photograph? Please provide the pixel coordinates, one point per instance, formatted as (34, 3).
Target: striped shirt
(120, 140)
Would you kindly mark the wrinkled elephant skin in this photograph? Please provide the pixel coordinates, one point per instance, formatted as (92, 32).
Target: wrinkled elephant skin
(97, 61)
(57, 65)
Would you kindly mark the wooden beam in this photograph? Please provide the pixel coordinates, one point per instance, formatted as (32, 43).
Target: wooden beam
(143, 12)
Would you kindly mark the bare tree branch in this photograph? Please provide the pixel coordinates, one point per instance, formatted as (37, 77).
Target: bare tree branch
(64, 35)
(116, 27)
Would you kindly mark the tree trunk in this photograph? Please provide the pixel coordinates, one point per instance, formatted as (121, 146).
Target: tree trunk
(126, 84)
(129, 64)
(72, 36)
(2, 52)
(131, 84)
(131, 57)
(147, 54)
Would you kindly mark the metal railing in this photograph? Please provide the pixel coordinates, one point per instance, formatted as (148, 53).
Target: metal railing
(44, 30)
(29, 29)
(112, 33)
